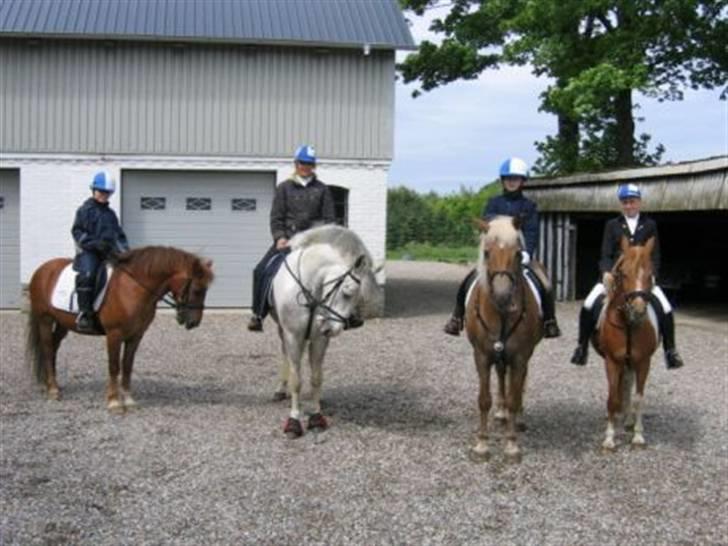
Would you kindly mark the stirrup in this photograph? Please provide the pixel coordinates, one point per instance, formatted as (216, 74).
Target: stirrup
(85, 323)
(453, 326)
(673, 360)
(551, 328)
(581, 353)
(255, 324)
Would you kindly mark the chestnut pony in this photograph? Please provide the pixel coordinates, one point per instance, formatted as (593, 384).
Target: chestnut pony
(627, 338)
(141, 277)
(503, 325)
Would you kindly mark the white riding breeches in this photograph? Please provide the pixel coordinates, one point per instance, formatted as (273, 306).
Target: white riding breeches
(599, 289)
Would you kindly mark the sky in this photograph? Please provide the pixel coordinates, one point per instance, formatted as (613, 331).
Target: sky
(457, 135)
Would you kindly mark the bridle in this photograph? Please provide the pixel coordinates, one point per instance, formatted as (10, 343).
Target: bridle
(178, 304)
(322, 306)
(504, 331)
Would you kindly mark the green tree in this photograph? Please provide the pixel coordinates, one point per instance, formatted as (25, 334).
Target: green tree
(597, 52)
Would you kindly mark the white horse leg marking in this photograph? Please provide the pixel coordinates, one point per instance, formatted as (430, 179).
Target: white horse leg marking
(638, 439)
(128, 401)
(609, 443)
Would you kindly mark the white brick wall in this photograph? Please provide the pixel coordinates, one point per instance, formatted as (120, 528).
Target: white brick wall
(53, 186)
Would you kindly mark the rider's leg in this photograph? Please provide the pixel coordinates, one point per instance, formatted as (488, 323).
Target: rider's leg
(455, 323)
(256, 320)
(673, 360)
(548, 306)
(587, 324)
(85, 264)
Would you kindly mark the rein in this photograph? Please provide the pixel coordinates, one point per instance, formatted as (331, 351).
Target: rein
(313, 303)
(623, 309)
(182, 304)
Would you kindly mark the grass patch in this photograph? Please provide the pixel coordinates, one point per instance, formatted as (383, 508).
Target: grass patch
(434, 253)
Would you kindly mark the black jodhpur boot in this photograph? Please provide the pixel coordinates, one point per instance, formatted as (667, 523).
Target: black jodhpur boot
(673, 360)
(85, 322)
(586, 327)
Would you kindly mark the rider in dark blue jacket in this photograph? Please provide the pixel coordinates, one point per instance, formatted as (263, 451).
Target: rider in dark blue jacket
(513, 174)
(98, 237)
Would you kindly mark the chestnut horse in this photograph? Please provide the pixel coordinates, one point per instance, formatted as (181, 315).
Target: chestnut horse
(503, 325)
(627, 338)
(140, 278)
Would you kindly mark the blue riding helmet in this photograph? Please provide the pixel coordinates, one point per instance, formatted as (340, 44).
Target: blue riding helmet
(514, 166)
(305, 154)
(103, 181)
(629, 191)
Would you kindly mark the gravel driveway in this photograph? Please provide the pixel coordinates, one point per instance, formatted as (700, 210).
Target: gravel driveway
(204, 461)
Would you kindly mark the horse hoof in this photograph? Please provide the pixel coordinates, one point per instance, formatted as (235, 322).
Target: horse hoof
(115, 407)
(293, 428)
(317, 422)
(479, 454)
(513, 455)
(638, 442)
(130, 404)
(279, 396)
(608, 448)
(54, 394)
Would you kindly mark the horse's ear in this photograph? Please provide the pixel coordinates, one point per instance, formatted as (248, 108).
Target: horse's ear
(517, 221)
(378, 267)
(208, 264)
(481, 224)
(624, 244)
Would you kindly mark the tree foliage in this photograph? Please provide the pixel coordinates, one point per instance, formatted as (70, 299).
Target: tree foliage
(597, 53)
(434, 219)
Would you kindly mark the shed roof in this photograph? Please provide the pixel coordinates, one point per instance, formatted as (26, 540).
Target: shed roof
(692, 185)
(340, 23)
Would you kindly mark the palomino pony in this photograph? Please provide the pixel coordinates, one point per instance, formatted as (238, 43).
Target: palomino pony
(626, 338)
(141, 278)
(503, 325)
(325, 278)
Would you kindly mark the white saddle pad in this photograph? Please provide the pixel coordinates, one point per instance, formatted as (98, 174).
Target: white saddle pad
(64, 293)
(532, 286)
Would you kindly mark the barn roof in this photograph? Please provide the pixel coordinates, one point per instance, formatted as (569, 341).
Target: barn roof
(341, 23)
(692, 185)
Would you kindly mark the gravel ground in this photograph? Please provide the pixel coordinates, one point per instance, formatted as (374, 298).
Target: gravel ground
(204, 461)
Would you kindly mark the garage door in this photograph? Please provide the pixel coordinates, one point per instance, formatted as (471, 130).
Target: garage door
(9, 238)
(223, 216)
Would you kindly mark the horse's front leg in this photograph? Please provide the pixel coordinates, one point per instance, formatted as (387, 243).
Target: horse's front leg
(514, 406)
(294, 351)
(130, 348)
(501, 414)
(481, 450)
(642, 370)
(281, 392)
(614, 401)
(113, 347)
(316, 352)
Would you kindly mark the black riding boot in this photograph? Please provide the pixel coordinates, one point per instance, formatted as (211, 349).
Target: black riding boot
(586, 327)
(673, 360)
(255, 324)
(550, 326)
(85, 319)
(454, 324)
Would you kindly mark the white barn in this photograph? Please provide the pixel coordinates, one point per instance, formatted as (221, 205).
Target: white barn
(196, 106)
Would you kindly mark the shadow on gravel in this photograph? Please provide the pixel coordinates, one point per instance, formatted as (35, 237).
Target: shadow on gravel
(416, 297)
(579, 428)
(160, 392)
(389, 407)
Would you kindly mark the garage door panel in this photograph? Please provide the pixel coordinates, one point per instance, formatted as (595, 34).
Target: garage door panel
(234, 239)
(9, 238)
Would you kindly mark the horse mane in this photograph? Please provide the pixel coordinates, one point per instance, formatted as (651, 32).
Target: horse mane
(158, 260)
(347, 243)
(500, 230)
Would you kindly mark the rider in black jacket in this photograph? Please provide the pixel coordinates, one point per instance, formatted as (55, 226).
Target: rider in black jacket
(98, 237)
(513, 173)
(638, 229)
(300, 203)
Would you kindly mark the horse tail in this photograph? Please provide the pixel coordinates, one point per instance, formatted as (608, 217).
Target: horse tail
(32, 348)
